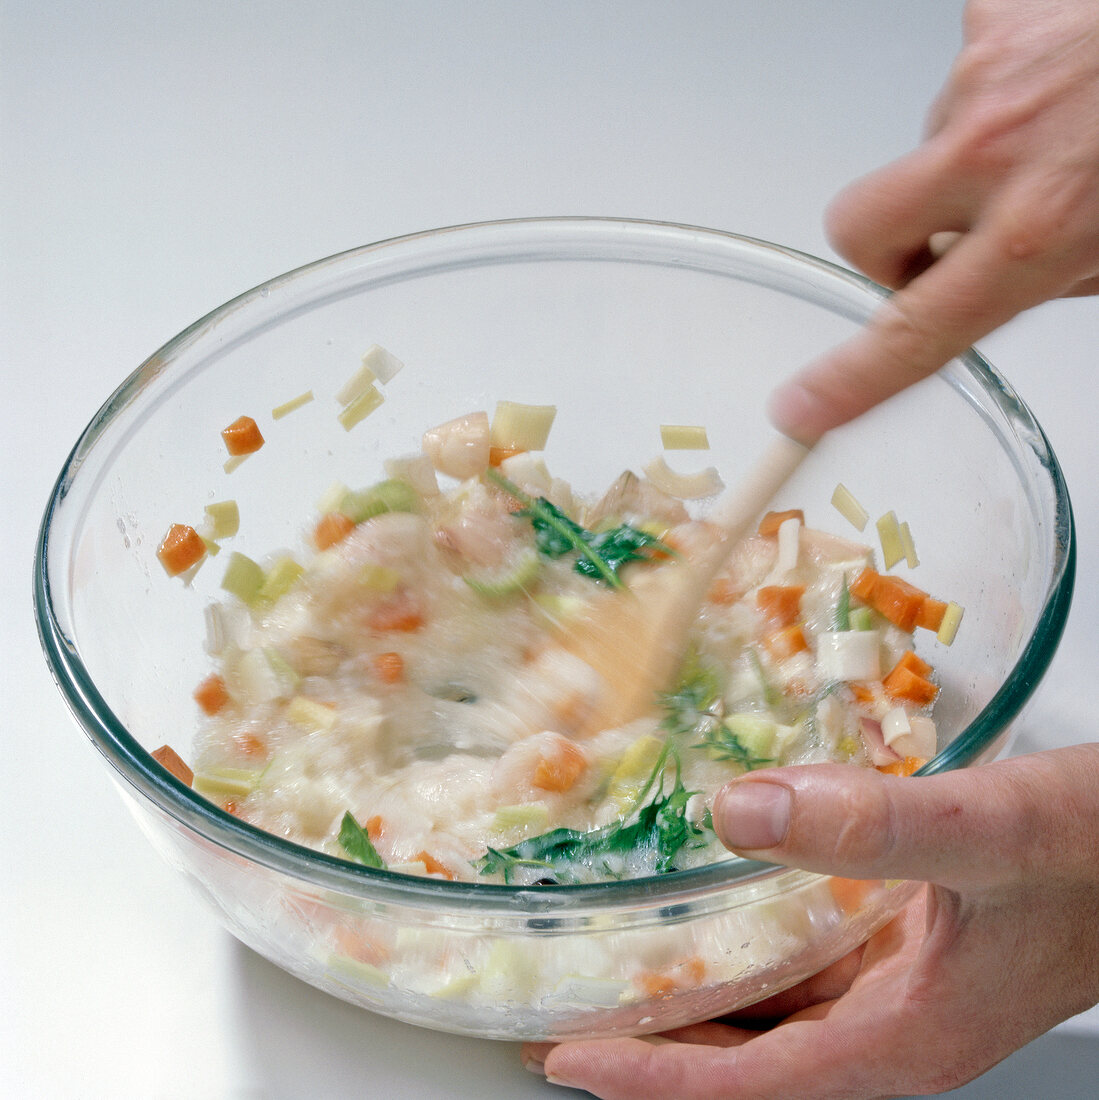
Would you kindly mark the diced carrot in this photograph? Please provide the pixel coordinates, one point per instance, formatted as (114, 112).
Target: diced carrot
(655, 984)
(851, 894)
(389, 667)
(242, 437)
(374, 826)
(359, 945)
(772, 521)
(903, 683)
(862, 587)
(232, 807)
(862, 693)
(433, 866)
(695, 968)
(561, 767)
(724, 592)
(400, 613)
(172, 762)
(332, 528)
(780, 603)
(931, 613)
(913, 663)
(906, 766)
(785, 642)
(180, 548)
(248, 744)
(212, 694)
(496, 455)
(898, 601)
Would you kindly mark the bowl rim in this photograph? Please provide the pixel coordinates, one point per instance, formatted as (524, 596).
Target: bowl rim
(133, 764)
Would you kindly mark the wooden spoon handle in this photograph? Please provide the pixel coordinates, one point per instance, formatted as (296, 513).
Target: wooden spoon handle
(735, 511)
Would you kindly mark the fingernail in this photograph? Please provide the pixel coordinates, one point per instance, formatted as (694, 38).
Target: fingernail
(752, 814)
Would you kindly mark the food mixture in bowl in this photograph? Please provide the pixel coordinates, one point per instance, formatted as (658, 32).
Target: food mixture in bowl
(407, 694)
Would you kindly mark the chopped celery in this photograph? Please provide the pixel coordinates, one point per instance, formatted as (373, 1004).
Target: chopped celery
(223, 519)
(279, 579)
(684, 437)
(755, 734)
(845, 503)
(951, 621)
(908, 546)
(521, 427)
(243, 577)
(295, 403)
(212, 547)
(524, 815)
(889, 533)
(391, 495)
(227, 782)
(311, 715)
(360, 408)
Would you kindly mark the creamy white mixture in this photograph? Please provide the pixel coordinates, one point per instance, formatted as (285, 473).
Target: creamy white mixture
(415, 676)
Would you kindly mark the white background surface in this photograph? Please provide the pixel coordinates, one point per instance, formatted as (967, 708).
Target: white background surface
(157, 159)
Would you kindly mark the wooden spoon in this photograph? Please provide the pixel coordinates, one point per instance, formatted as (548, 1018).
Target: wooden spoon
(636, 638)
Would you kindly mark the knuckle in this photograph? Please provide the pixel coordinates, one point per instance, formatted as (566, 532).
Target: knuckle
(866, 832)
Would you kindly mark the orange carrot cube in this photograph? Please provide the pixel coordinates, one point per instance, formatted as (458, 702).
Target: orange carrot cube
(180, 548)
(172, 762)
(772, 521)
(212, 694)
(332, 528)
(242, 437)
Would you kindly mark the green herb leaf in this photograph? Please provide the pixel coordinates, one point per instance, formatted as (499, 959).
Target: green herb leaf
(690, 709)
(561, 855)
(356, 842)
(600, 555)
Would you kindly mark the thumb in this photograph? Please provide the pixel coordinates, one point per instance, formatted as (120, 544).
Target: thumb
(1003, 822)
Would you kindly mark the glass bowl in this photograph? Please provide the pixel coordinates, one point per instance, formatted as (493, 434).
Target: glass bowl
(623, 325)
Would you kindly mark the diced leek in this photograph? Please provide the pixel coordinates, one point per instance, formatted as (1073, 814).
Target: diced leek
(223, 519)
(908, 546)
(384, 364)
(844, 502)
(951, 621)
(849, 655)
(243, 577)
(295, 403)
(359, 409)
(521, 427)
(456, 988)
(909, 734)
(696, 486)
(889, 533)
(261, 676)
(226, 782)
(861, 618)
(379, 578)
(789, 544)
(684, 437)
(232, 462)
(755, 733)
(311, 715)
(524, 815)
(391, 495)
(279, 579)
(212, 548)
(515, 576)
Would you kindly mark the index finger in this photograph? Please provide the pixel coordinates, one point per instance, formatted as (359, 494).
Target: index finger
(978, 285)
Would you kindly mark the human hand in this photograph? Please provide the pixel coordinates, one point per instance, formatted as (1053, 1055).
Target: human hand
(1002, 946)
(1008, 171)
